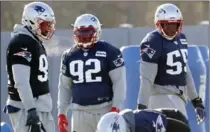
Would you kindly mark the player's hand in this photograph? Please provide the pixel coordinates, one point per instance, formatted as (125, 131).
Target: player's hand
(33, 122)
(62, 123)
(199, 109)
(201, 115)
(114, 109)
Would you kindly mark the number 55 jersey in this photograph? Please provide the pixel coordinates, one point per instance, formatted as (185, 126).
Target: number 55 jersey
(90, 72)
(164, 71)
(170, 55)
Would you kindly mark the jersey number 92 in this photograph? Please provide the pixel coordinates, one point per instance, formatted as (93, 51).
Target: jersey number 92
(77, 68)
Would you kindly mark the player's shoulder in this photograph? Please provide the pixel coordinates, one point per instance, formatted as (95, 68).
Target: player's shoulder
(151, 46)
(152, 42)
(22, 40)
(182, 36)
(69, 52)
(152, 37)
(107, 47)
(21, 36)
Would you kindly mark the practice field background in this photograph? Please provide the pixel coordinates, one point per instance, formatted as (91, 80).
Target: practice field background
(111, 14)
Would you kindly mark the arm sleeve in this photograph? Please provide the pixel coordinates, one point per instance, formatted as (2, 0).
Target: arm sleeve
(119, 86)
(64, 66)
(117, 75)
(148, 72)
(115, 59)
(21, 54)
(21, 74)
(64, 94)
(191, 90)
(150, 50)
(64, 87)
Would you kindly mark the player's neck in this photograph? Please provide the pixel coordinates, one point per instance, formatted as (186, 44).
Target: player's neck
(85, 49)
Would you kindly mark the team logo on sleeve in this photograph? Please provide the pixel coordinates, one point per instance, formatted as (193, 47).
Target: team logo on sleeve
(119, 61)
(25, 54)
(148, 50)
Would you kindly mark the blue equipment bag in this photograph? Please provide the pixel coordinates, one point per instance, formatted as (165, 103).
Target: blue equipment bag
(131, 55)
(205, 54)
(198, 69)
(5, 127)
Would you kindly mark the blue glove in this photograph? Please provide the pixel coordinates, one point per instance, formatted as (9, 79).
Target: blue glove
(199, 109)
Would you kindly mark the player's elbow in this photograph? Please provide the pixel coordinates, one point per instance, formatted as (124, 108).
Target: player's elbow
(21, 74)
(119, 90)
(64, 82)
(119, 82)
(18, 85)
(22, 85)
(117, 75)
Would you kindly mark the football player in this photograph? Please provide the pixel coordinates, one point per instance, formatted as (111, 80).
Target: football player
(29, 104)
(159, 120)
(92, 78)
(166, 80)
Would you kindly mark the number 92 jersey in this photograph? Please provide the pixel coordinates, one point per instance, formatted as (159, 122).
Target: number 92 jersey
(24, 49)
(89, 71)
(169, 55)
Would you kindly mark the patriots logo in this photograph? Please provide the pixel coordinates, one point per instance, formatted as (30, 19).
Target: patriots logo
(119, 61)
(93, 19)
(39, 9)
(148, 50)
(25, 54)
(161, 10)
